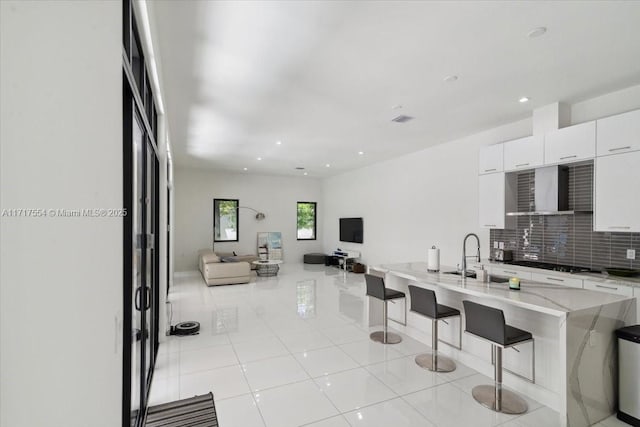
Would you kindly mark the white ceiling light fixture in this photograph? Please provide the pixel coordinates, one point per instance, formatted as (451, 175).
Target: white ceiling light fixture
(450, 79)
(523, 100)
(246, 169)
(258, 158)
(537, 32)
(327, 165)
(278, 142)
(360, 153)
(305, 174)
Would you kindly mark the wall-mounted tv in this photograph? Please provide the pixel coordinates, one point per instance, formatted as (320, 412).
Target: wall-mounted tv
(351, 230)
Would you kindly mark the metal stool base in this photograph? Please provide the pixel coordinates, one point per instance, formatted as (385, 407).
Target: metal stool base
(391, 337)
(444, 364)
(511, 402)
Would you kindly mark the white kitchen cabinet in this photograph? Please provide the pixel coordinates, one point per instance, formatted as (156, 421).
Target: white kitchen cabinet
(570, 144)
(618, 134)
(491, 191)
(491, 159)
(554, 279)
(617, 205)
(524, 153)
(609, 288)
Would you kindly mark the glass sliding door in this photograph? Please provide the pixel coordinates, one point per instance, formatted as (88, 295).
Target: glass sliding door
(141, 226)
(137, 263)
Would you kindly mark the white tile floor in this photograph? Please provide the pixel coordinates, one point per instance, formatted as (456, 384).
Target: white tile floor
(294, 350)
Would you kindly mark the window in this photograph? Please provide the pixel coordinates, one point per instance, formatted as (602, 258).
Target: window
(306, 220)
(225, 220)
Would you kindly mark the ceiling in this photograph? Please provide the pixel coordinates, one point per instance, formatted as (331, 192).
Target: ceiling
(326, 78)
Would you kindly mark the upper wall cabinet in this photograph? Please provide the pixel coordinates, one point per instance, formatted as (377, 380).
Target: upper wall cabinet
(570, 144)
(524, 153)
(619, 134)
(617, 207)
(491, 193)
(491, 159)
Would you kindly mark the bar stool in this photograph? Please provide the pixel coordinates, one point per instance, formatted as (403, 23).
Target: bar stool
(488, 324)
(376, 289)
(423, 301)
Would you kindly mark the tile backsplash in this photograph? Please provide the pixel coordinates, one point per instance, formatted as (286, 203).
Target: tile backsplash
(566, 239)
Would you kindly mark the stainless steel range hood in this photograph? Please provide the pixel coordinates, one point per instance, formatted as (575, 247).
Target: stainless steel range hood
(551, 193)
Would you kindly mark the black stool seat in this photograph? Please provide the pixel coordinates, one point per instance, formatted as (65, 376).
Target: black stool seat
(446, 311)
(515, 335)
(392, 294)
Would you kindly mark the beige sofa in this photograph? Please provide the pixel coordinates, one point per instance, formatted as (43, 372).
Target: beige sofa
(214, 272)
(247, 258)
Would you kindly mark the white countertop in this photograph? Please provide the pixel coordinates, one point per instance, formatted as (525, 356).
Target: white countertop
(555, 300)
(594, 277)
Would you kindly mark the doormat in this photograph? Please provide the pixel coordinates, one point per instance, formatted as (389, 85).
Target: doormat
(198, 411)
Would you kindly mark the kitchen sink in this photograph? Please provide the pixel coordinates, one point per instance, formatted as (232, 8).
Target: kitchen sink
(472, 275)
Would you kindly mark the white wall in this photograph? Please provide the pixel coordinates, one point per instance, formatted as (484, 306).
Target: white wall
(61, 278)
(276, 196)
(415, 201)
(430, 197)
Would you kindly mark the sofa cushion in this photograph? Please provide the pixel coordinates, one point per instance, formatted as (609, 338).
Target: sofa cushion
(209, 257)
(226, 270)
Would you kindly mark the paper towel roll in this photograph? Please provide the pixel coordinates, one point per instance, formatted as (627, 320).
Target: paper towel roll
(433, 259)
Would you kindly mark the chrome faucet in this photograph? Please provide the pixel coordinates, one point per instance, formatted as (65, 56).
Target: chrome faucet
(464, 253)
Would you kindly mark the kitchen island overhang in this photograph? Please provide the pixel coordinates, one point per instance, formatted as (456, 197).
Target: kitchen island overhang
(575, 349)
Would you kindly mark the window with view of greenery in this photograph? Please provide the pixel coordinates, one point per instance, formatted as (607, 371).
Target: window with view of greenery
(306, 221)
(225, 220)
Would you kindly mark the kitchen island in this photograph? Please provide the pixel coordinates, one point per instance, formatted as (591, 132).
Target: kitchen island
(575, 346)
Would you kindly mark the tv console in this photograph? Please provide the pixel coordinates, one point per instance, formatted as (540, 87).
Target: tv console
(346, 256)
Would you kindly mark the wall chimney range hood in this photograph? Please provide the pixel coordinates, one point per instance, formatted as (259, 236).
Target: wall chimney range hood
(551, 193)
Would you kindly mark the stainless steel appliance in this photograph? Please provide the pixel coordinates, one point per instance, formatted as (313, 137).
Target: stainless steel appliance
(628, 374)
(503, 255)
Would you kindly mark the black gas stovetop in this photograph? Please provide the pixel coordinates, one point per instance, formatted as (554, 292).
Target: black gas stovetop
(554, 267)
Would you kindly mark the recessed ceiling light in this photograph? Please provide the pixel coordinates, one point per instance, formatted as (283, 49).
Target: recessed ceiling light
(450, 79)
(360, 153)
(278, 142)
(523, 100)
(537, 32)
(328, 165)
(305, 173)
(246, 168)
(259, 158)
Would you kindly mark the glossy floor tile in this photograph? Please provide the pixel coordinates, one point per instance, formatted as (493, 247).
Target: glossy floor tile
(273, 372)
(294, 350)
(338, 421)
(294, 405)
(354, 389)
(224, 382)
(241, 411)
(395, 412)
(325, 361)
(450, 406)
(403, 376)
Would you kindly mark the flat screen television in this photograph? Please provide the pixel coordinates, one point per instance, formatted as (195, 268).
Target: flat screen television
(351, 230)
